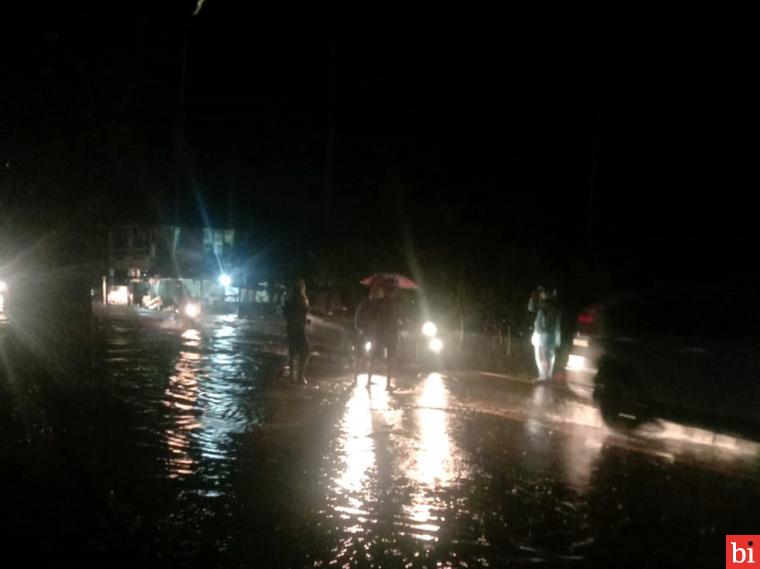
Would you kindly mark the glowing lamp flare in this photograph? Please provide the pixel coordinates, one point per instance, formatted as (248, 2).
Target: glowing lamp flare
(435, 345)
(225, 279)
(192, 310)
(368, 347)
(3, 286)
(118, 295)
(429, 329)
(576, 363)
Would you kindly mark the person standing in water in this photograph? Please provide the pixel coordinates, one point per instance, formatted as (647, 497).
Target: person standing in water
(385, 329)
(296, 310)
(546, 331)
(365, 329)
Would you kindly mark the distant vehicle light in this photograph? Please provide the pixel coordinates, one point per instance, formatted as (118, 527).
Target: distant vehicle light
(576, 363)
(192, 310)
(368, 347)
(225, 279)
(435, 345)
(586, 318)
(429, 329)
(118, 295)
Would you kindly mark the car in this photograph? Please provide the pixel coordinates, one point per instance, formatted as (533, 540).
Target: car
(425, 338)
(691, 356)
(425, 333)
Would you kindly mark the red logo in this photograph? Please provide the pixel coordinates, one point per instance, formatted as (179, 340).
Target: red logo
(742, 551)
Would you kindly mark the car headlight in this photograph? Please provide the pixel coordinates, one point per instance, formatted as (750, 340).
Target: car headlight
(575, 363)
(435, 345)
(429, 329)
(192, 310)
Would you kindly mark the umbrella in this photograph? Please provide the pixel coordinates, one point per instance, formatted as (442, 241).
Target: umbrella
(400, 280)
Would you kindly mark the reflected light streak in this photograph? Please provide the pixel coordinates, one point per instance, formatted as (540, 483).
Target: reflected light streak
(192, 337)
(433, 457)
(694, 435)
(356, 445)
(358, 454)
(377, 380)
(181, 396)
(221, 405)
(433, 463)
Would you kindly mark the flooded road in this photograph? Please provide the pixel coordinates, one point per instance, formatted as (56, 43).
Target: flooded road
(186, 448)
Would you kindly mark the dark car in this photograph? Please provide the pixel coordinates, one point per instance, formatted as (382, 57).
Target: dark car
(692, 356)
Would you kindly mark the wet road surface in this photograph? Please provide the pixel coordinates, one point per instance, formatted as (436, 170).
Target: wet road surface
(185, 448)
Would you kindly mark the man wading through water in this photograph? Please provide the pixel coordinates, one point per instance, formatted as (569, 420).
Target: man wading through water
(296, 310)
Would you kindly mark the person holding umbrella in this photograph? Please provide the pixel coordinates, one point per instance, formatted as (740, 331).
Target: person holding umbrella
(383, 320)
(365, 328)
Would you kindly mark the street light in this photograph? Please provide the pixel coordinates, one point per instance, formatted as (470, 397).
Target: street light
(225, 280)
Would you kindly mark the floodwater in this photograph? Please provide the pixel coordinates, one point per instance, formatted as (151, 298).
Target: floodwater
(187, 448)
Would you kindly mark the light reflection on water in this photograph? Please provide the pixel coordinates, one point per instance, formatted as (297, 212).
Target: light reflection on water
(585, 435)
(203, 404)
(356, 444)
(434, 461)
(396, 482)
(387, 473)
(181, 397)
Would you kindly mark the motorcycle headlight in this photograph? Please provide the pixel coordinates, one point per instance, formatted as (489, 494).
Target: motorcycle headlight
(192, 310)
(435, 345)
(429, 329)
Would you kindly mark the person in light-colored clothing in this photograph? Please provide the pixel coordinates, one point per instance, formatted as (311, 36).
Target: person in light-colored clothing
(546, 330)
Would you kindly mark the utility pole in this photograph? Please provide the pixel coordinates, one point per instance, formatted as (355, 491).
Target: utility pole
(328, 191)
(179, 133)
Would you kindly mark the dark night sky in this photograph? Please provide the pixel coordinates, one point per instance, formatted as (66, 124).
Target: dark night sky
(474, 128)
